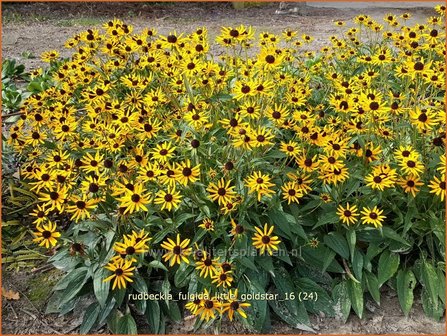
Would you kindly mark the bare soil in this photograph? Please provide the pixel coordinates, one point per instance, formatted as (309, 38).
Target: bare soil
(28, 29)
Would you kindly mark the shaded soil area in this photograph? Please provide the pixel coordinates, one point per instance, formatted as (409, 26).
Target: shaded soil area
(28, 29)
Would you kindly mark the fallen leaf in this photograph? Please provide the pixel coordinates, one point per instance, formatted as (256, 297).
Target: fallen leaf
(10, 294)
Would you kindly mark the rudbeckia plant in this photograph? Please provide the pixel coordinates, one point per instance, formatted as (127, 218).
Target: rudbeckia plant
(270, 171)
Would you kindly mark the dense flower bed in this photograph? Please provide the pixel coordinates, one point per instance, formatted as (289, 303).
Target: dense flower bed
(275, 170)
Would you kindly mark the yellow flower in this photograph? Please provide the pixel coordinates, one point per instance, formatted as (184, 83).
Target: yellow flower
(233, 306)
(210, 305)
(49, 56)
(291, 192)
(186, 173)
(372, 216)
(438, 187)
(207, 224)
(135, 200)
(349, 214)
(222, 192)
(122, 273)
(259, 183)
(46, 235)
(206, 265)
(163, 152)
(176, 251)
(264, 241)
(168, 199)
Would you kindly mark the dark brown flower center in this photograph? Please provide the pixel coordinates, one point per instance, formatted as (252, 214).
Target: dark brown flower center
(270, 59)
(172, 39)
(177, 250)
(422, 117)
(265, 239)
(93, 187)
(234, 305)
(377, 179)
(80, 205)
(46, 234)
(239, 229)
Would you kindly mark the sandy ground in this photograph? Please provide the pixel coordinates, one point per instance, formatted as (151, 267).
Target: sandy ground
(31, 28)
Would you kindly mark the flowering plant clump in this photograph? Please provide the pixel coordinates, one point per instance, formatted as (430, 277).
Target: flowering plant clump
(269, 172)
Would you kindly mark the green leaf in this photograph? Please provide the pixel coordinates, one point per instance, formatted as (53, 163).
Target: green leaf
(284, 286)
(322, 258)
(279, 220)
(247, 262)
(108, 307)
(127, 325)
(342, 301)
(90, 317)
(53, 303)
(166, 288)
(373, 286)
(391, 234)
(153, 315)
(432, 308)
(158, 265)
(257, 312)
(351, 239)
(280, 307)
(355, 292)
(101, 288)
(113, 321)
(297, 228)
(174, 311)
(75, 285)
(283, 254)
(140, 305)
(388, 264)
(74, 274)
(373, 250)
(139, 284)
(119, 295)
(183, 218)
(182, 275)
(337, 243)
(406, 281)
(429, 280)
(441, 278)
(329, 217)
(265, 262)
(321, 303)
(357, 265)
(160, 235)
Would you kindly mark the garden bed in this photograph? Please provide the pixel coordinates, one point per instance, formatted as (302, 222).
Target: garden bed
(349, 258)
